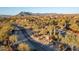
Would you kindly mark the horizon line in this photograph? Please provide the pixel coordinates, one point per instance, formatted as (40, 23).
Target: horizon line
(45, 13)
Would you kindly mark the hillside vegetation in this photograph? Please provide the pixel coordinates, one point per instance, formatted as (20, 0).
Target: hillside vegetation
(47, 29)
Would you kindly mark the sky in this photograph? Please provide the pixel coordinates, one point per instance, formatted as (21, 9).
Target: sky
(16, 10)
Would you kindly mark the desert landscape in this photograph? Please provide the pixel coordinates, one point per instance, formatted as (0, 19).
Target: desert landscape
(28, 31)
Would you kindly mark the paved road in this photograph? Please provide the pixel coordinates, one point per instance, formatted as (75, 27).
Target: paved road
(25, 37)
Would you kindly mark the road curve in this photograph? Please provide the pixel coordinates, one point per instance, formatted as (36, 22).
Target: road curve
(38, 46)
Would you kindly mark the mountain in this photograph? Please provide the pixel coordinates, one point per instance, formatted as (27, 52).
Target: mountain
(24, 13)
(30, 13)
(42, 14)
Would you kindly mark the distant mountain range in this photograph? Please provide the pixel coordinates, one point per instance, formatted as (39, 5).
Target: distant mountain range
(36, 14)
(30, 13)
(5, 16)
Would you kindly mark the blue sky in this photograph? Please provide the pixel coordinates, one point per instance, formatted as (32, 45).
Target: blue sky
(16, 10)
